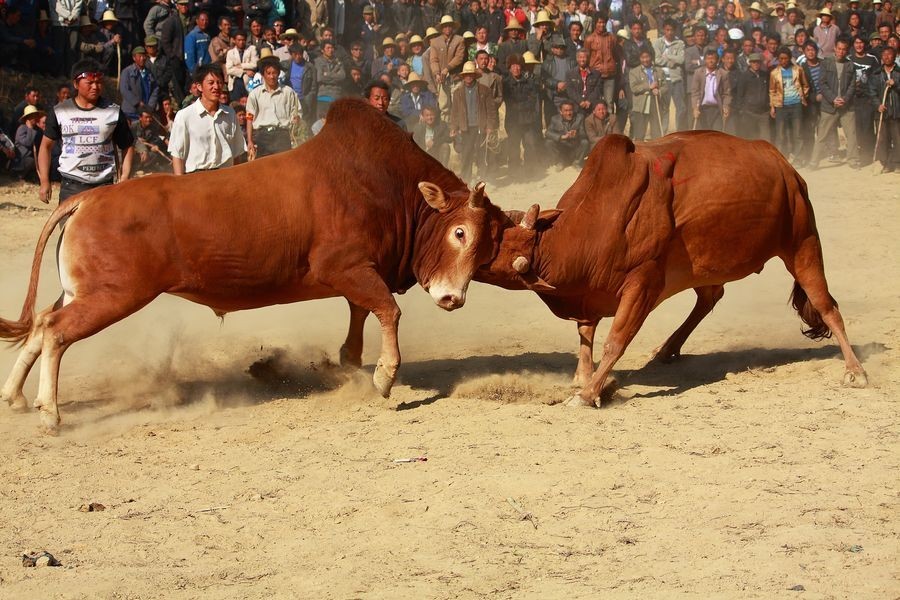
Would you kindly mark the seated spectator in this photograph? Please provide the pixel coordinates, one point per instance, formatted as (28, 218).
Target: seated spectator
(149, 143)
(599, 123)
(17, 46)
(7, 152)
(566, 141)
(414, 99)
(432, 134)
(28, 139)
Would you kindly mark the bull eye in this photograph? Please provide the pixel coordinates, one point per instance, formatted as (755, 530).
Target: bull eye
(459, 233)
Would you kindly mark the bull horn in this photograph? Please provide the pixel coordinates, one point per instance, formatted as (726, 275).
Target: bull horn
(521, 264)
(531, 217)
(476, 196)
(434, 196)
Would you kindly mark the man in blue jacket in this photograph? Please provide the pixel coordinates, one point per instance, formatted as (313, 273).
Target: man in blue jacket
(138, 86)
(196, 44)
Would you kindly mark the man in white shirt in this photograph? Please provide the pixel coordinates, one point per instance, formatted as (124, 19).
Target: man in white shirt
(272, 109)
(206, 135)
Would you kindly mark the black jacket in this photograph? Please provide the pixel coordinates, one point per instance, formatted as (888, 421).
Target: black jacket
(750, 93)
(590, 89)
(558, 127)
(171, 37)
(832, 87)
(522, 101)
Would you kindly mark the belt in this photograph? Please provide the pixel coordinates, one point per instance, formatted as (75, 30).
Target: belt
(271, 129)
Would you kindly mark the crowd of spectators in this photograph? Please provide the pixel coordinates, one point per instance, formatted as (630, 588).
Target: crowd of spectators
(493, 82)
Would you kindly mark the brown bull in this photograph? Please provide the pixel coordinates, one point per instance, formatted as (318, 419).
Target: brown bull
(330, 218)
(640, 225)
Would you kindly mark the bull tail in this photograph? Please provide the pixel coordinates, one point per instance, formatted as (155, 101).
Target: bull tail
(817, 329)
(16, 332)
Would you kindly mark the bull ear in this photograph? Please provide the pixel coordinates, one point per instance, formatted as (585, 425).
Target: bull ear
(476, 196)
(434, 196)
(530, 218)
(546, 217)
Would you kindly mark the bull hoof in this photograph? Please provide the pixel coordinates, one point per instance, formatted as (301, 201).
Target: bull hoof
(666, 356)
(348, 361)
(578, 401)
(856, 380)
(384, 379)
(49, 423)
(17, 402)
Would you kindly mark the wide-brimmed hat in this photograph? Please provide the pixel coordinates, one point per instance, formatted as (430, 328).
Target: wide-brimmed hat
(388, 41)
(85, 21)
(400, 36)
(290, 34)
(513, 23)
(469, 68)
(31, 111)
(756, 6)
(530, 58)
(265, 53)
(825, 12)
(448, 20)
(431, 32)
(543, 18)
(416, 39)
(622, 33)
(557, 41)
(414, 78)
(109, 15)
(877, 2)
(468, 35)
(665, 4)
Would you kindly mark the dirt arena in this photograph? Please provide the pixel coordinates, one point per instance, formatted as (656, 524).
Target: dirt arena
(235, 461)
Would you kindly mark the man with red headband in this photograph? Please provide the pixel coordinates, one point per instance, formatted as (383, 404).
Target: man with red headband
(89, 129)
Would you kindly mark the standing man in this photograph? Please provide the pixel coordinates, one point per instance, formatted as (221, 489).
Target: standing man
(89, 129)
(865, 65)
(788, 90)
(448, 52)
(171, 40)
(272, 109)
(206, 136)
(885, 79)
(523, 117)
(160, 66)
(473, 117)
(670, 58)
(221, 44)
(838, 85)
(137, 86)
(603, 56)
(301, 76)
(64, 30)
(240, 65)
(514, 44)
(330, 78)
(751, 100)
(650, 91)
(825, 34)
(196, 45)
(710, 94)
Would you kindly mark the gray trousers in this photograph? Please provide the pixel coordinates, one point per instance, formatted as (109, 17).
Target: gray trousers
(828, 122)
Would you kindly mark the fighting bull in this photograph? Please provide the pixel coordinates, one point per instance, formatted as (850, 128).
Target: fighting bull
(323, 220)
(641, 224)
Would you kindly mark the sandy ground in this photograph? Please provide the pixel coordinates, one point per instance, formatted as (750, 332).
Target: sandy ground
(235, 461)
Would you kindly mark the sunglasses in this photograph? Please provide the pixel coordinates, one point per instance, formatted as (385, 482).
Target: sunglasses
(91, 77)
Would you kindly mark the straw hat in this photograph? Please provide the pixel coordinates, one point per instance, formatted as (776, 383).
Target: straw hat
(108, 16)
(414, 78)
(85, 21)
(530, 58)
(826, 12)
(665, 4)
(31, 111)
(265, 53)
(543, 18)
(388, 41)
(622, 33)
(470, 69)
(290, 34)
(431, 32)
(267, 61)
(756, 6)
(468, 35)
(416, 39)
(448, 20)
(513, 24)
(877, 2)
(368, 9)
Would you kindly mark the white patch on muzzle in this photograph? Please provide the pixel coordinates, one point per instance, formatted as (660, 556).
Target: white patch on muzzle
(447, 296)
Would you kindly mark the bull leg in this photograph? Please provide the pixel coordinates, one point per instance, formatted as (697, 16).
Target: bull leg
(707, 297)
(810, 275)
(351, 351)
(12, 389)
(81, 318)
(639, 295)
(585, 353)
(364, 288)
